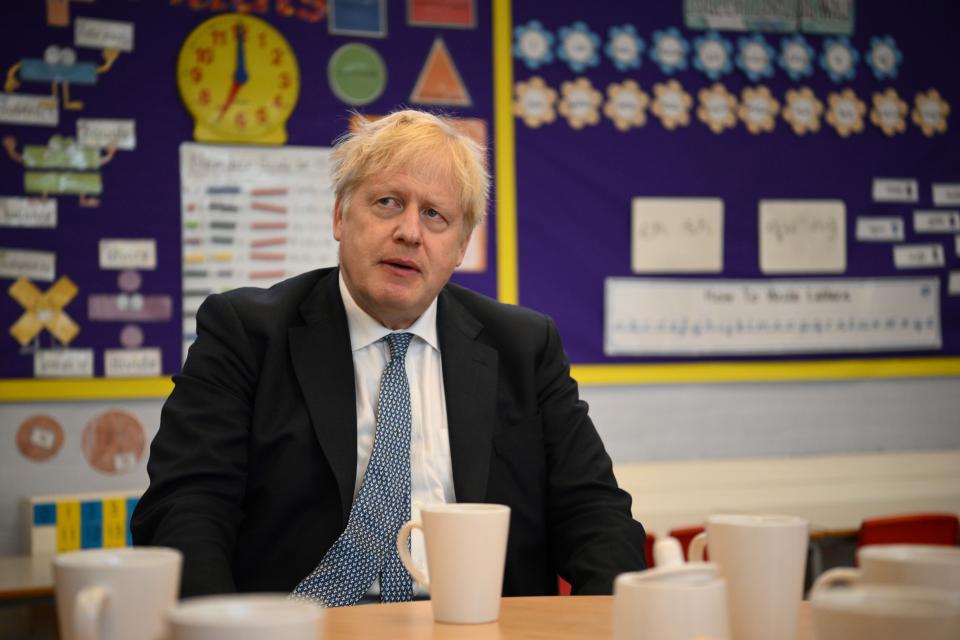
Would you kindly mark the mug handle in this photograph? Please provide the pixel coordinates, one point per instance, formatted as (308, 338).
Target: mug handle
(88, 611)
(697, 545)
(402, 548)
(828, 578)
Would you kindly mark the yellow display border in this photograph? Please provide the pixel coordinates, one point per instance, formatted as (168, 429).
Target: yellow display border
(505, 170)
(33, 390)
(29, 389)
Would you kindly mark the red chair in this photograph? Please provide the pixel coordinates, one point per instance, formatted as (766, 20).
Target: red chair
(915, 528)
(564, 587)
(648, 549)
(685, 535)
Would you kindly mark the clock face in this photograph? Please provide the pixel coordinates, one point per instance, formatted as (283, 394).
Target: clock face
(239, 79)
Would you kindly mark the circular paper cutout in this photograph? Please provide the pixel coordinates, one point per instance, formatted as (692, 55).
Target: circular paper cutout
(39, 438)
(113, 442)
(357, 73)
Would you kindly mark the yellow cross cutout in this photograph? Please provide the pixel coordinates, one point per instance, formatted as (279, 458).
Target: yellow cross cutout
(44, 310)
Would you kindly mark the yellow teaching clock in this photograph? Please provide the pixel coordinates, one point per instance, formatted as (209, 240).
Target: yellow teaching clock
(239, 78)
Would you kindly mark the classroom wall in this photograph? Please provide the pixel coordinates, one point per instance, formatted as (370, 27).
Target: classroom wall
(833, 452)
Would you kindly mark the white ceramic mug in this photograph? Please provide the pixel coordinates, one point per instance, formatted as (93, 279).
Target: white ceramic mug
(762, 558)
(466, 550)
(671, 603)
(885, 612)
(247, 616)
(921, 565)
(116, 594)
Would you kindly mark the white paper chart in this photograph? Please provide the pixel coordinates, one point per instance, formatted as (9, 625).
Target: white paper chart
(251, 216)
(696, 317)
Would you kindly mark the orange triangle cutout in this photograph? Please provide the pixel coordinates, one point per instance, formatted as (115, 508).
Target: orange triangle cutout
(439, 81)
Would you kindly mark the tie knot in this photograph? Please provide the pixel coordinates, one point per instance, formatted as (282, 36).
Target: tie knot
(398, 343)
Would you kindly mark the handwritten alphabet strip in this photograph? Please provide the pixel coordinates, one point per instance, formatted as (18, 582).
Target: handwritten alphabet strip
(649, 316)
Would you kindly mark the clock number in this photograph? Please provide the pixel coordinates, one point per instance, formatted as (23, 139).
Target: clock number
(262, 115)
(262, 36)
(204, 55)
(276, 56)
(278, 101)
(284, 80)
(316, 12)
(219, 37)
(196, 75)
(241, 120)
(204, 97)
(256, 6)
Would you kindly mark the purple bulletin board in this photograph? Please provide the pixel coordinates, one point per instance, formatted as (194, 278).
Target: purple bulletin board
(575, 185)
(141, 195)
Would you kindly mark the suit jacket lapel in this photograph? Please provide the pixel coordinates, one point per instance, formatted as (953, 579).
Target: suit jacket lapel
(323, 363)
(470, 386)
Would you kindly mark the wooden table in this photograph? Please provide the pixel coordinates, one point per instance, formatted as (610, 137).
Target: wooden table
(25, 577)
(541, 618)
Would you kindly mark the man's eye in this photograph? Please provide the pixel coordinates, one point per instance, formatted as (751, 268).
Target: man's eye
(388, 202)
(431, 213)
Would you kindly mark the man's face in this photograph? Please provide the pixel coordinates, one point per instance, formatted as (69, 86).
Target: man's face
(401, 236)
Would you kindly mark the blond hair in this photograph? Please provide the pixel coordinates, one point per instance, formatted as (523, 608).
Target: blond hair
(409, 137)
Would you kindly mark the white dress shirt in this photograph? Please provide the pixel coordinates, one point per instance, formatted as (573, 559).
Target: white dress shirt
(431, 473)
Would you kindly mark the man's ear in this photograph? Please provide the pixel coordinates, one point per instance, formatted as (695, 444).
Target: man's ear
(337, 219)
(463, 247)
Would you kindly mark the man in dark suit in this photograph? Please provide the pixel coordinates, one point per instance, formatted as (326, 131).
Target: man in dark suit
(265, 441)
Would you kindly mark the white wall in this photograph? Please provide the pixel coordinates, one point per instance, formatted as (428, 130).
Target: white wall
(832, 452)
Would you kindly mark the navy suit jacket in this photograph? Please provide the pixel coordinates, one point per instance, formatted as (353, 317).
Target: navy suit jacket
(253, 468)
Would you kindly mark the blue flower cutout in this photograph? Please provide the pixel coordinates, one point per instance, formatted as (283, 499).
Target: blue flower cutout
(796, 57)
(839, 59)
(713, 55)
(579, 46)
(755, 57)
(884, 57)
(624, 47)
(533, 44)
(669, 50)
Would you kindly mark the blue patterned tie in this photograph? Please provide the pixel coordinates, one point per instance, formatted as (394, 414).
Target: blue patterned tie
(367, 548)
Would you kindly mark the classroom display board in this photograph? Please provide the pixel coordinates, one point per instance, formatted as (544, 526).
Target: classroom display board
(155, 152)
(722, 182)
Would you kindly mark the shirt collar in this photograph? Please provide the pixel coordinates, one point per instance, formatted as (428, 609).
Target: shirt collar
(364, 330)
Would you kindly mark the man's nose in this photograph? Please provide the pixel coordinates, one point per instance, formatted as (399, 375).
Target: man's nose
(408, 225)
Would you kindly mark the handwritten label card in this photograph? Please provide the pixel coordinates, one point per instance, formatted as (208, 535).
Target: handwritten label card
(803, 236)
(63, 363)
(19, 108)
(895, 190)
(28, 212)
(103, 34)
(122, 254)
(946, 194)
(26, 263)
(880, 229)
(646, 316)
(918, 256)
(101, 133)
(677, 235)
(132, 363)
(936, 221)
(953, 287)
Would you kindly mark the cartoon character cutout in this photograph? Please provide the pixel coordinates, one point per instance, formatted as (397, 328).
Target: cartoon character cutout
(59, 66)
(62, 167)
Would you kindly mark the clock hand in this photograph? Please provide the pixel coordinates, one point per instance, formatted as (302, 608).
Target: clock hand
(240, 76)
